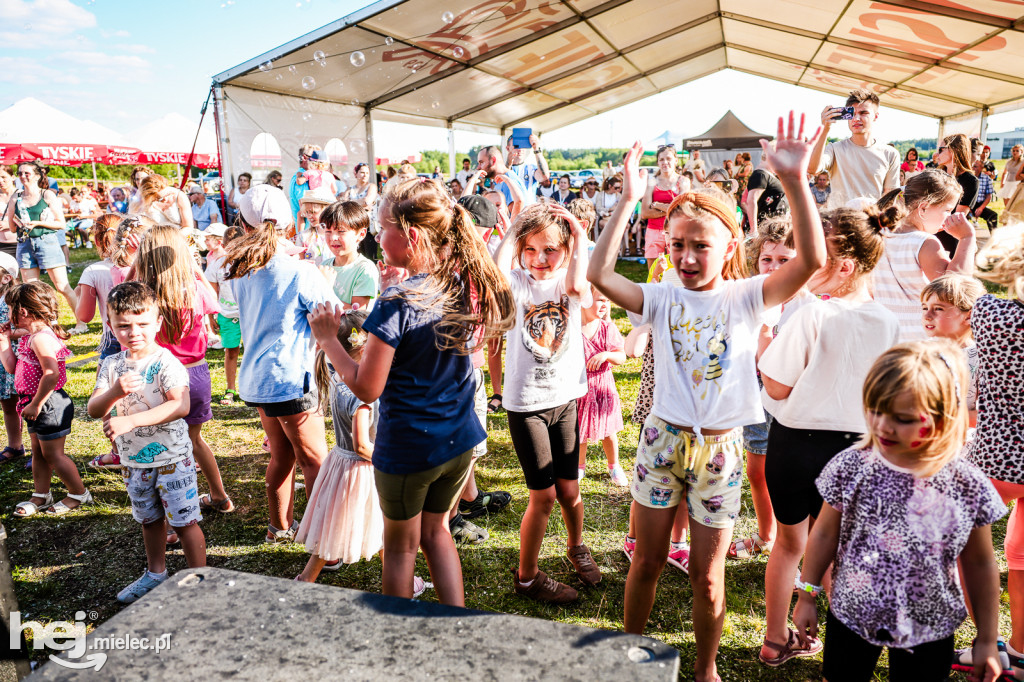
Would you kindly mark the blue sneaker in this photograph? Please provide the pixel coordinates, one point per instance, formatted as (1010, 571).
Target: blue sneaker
(138, 589)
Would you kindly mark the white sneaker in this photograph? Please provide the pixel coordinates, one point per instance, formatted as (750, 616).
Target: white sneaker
(80, 328)
(618, 476)
(582, 474)
(215, 342)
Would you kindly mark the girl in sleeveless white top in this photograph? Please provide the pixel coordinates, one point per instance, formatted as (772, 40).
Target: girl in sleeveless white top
(913, 255)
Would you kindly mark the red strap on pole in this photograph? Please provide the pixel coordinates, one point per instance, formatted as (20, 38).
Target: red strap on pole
(192, 154)
(220, 163)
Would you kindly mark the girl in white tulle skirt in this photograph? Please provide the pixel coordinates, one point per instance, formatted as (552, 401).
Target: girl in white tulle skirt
(343, 521)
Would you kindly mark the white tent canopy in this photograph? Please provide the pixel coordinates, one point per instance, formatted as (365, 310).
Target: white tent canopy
(173, 133)
(29, 120)
(471, 65)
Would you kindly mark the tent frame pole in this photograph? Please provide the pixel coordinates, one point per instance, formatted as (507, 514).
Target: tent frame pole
(983, 128)
(451, 150)
(371, 154)
(220, 155)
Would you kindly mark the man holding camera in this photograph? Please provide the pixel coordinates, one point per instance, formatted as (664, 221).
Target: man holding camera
(858, 166)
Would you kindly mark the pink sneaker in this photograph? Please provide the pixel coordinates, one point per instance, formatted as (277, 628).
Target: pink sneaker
(680, 558)
(629, 546)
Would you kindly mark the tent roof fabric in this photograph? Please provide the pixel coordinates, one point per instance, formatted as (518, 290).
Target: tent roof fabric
(728, 133)
(486, 65)
(173, 133)
(29, 121)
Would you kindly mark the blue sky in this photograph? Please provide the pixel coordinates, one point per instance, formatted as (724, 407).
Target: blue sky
(125, 64)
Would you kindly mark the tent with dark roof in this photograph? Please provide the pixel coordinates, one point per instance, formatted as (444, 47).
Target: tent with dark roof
(724, 140)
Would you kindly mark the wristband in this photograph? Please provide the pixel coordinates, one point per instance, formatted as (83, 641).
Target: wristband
(813, 590)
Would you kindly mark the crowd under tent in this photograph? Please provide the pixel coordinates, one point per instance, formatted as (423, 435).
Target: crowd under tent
(725, 139)
(489, 65)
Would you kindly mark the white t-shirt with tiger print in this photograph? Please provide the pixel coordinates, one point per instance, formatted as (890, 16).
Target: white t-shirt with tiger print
(544, 364)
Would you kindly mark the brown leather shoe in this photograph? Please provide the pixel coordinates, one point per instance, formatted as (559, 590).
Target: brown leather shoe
(544, 589)
(583, 561)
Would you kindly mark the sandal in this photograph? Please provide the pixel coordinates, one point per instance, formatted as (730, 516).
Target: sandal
(30, 508)
(60, 509)
(225, 506)
(99, 463)
(172, 537)
(757, 546)
(788, 650)
(15, 453)
(494, 404)
(230, 396)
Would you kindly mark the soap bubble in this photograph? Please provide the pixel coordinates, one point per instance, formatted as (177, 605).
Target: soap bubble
(319, 56)
(291, 69)
(28, 27)
(306, 116)
(357, 147)
(435, 104)
(458, 52)
(357, 58)
(389, 40)
(308, 83)
(447, 17)
(266, 66)
(279, 77)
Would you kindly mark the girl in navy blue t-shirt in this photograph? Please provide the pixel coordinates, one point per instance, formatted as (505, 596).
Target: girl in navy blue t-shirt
(416, 362)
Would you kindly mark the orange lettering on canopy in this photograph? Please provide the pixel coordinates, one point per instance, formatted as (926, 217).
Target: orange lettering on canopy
(876, 63)
(576, 48)
(932, 40)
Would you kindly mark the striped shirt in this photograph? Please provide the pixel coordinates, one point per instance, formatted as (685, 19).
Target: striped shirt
(899, 279)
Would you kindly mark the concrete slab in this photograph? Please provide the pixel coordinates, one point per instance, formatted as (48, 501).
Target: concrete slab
(225, 624)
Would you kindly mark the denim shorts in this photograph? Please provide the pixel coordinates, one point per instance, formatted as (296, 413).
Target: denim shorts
(287, 408)
(109, 345)
(755, 436)
(41, 252)
(54, 418)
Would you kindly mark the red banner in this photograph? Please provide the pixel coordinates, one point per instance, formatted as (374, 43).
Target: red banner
(80, 154)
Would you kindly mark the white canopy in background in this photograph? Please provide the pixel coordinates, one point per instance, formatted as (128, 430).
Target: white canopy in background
(490, 65)
(174, 133)
(32, 121)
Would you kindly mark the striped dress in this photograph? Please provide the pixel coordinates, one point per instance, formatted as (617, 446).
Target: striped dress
(899, 279)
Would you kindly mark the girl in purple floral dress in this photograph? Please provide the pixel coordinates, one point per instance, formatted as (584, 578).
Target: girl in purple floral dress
(902, 507)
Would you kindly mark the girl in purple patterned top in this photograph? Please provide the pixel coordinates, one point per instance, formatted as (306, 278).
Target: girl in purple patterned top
(902, 508)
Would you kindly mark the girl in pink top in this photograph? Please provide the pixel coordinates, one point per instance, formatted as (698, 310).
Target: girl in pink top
(165, 263)
(667, 186)
(39, 378)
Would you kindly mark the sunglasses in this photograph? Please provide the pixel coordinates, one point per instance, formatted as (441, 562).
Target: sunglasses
(941, 149)
(666, 146)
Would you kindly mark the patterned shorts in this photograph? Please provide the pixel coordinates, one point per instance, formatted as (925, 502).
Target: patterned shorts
(670, 465)
(168, 491)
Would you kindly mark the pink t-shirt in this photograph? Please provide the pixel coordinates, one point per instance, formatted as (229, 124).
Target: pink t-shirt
(28, 371)
(191, 347)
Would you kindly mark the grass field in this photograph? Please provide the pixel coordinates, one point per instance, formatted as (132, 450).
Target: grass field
(80, 561)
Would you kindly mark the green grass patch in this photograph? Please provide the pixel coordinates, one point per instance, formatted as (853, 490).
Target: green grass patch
(80, 561)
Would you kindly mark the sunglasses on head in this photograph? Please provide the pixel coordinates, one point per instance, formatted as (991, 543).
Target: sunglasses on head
(666, 146)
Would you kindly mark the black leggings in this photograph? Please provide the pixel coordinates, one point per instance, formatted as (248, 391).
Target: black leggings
(547, 444)
(848, 658)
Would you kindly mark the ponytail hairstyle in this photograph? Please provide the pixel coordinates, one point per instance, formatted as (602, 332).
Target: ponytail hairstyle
(464, 281)
(854, 234)
(353, 339)
(151, 187)
(164, 262)
(136, 225)
(252, 250)
(37, 300)
(960, 150)
(103, 231)
(928, 188)
(935, 372)
(1001, 261)
(231, 234)
(707, 207)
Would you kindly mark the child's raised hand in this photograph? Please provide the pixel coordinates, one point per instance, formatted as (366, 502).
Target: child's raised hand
(634, 180)
(558, 211)
(324, 322)
(791, 151)
(957, 225)
(805, 619)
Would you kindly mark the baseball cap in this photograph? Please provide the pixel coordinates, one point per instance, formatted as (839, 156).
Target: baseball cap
(9, 265)
(195, 189)
(484, 212)
(217, 229)
(265, 202)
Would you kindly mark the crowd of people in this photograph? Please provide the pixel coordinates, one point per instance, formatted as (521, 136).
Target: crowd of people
(829, 343)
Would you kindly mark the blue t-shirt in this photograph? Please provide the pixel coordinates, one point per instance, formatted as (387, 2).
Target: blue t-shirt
(512, 176)
(205, 214)
(426, 409)
(272, 306)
